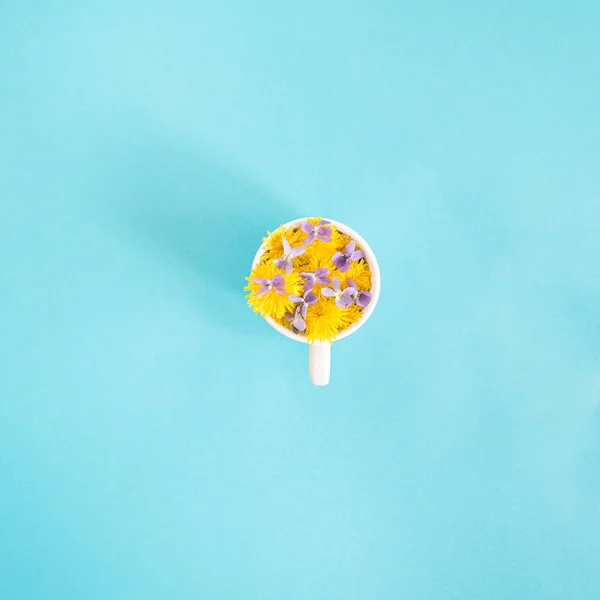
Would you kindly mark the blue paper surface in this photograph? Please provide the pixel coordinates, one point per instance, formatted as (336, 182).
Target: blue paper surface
(159, 440)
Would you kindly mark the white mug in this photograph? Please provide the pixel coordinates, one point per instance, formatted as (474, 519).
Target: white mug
(319, 353)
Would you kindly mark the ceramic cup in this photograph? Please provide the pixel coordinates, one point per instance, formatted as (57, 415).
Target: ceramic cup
(319, 353)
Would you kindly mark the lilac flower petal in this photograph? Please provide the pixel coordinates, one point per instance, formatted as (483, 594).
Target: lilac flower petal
(310, 298)
(324, 280)
(363, 299)
(322, 272)
(295, 299)
(352, 283)
(324, 234)
(281, 263)
(307, 227)
(345, 266)
(289, 267)
(297, 251)
(357, 255)
(351, 290)
(307, 275)
(324, 222)
(287, 248)
(310, 238)
(289, 317)
(350, 247)
(335, 284)
(303, 310)
(278, 282)
(263, 290)
(345, 299)
(281, 292)
(309, 284)
(299, 323)
(328, 292)
(339, 260)
(261, 280)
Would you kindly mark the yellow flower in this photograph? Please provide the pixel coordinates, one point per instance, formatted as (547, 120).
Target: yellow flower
(323, 320)
(272, 304)
(350, 316)
(274, 241)
(342, 240)
(360, 273)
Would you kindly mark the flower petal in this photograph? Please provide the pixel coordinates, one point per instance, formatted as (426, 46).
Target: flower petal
(297, 251)
(310, 298)
(328, 292)
(349, 249)
(295, 299)
(345, 300)
(281, 291)
(352, 283)
(363, 299)
(310, 238)
(286, 247)
(278, 282)
(345, 266)
(281, 263)
(357, 255)
(335, 283)
(261, 280)
(324, 222)
(322, 272)
(299, 323)
(289, 317)
(324, 234)
(307, 227)
(351, 290)
(309, 284)
(338, 259)
(289, 267)
(263, 290)
(324, 280)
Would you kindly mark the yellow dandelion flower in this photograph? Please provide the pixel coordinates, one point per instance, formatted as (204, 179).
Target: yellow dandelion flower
(350, 316)
(271, 303)
(360, 273)
(274, 241)
(343, 239)
(323, 321)
(322, 250)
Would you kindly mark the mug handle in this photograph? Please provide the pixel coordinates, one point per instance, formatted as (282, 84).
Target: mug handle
(319, 362)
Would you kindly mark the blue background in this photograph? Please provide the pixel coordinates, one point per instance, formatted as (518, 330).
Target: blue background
(158, 440)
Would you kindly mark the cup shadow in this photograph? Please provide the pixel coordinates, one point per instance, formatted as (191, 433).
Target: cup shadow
(205, 220)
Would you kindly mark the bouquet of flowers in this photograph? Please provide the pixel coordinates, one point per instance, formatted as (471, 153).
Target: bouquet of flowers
(311, 279)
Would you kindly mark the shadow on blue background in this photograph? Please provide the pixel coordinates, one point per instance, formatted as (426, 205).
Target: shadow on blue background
(200, 218)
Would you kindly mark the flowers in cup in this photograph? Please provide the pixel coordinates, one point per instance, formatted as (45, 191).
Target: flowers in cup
(311, 279)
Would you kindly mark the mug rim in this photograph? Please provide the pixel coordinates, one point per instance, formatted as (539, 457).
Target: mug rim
(375, 282)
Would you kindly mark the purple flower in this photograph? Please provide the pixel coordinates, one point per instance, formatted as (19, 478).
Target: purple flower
(343, 298)
(276, 284)
(342, 260)
(316, 231)
(285, 261)
(297, 323)
(361, 298)
(303, 303)
(319, 276)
